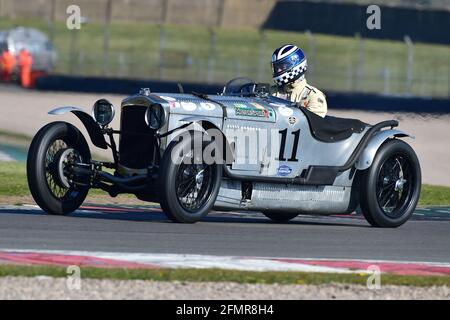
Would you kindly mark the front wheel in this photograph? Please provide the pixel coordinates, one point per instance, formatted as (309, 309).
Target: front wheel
(390, 188)
(189, 185)
(52, 150)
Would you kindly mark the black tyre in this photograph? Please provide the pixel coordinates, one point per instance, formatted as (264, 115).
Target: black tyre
(188, 191)
(280, 216)
(52, 148)
(390, 188)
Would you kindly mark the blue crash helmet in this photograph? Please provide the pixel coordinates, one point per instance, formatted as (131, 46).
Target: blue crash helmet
(288, 64)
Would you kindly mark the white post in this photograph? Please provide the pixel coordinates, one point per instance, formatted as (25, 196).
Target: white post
(410, 65)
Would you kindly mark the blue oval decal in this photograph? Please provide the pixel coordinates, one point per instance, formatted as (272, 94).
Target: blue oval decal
(284, 170)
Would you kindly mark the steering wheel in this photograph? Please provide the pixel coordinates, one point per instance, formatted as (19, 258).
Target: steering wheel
(250, 86)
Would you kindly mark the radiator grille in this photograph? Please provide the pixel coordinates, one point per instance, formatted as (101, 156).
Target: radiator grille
(137, 144)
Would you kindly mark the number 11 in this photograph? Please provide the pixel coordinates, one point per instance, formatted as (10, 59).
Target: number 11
(293, 157)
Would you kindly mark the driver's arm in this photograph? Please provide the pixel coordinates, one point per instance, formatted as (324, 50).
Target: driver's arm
(317, 103)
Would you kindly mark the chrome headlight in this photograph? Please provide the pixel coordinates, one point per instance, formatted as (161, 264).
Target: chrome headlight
(155, 116)
(103, 112)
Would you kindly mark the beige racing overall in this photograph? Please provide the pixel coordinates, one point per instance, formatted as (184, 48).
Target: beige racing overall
(305, 96)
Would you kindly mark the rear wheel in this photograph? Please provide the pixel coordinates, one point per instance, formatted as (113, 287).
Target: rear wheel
(189, 185)
(390, 188)
(52, 150)
(280, 216)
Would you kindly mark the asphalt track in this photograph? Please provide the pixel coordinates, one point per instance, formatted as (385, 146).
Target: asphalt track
(145, 229)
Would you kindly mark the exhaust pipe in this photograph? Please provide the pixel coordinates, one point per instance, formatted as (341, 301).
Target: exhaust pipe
(122, 181)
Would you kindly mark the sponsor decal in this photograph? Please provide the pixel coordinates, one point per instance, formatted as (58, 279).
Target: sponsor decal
(170, 99)
(258, 106)
(252, 111)
(188, 106)
(207, 106)
(286, 111)
(240, 106)
(284, 170)
(174, 104)
(292, 120)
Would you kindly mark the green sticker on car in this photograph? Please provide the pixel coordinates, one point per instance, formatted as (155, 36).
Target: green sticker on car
(245, 110)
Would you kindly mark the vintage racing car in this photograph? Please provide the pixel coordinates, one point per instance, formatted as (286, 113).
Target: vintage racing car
(242, 149)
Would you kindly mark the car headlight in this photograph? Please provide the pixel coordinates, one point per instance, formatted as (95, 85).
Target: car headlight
(103, 112)
(155, 116)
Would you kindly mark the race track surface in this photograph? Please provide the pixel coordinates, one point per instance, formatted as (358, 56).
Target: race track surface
(145, 229)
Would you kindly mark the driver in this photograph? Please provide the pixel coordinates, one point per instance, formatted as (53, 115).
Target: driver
(288, 69)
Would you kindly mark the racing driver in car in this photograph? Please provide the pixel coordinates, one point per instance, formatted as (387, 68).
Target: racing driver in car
(288, 71)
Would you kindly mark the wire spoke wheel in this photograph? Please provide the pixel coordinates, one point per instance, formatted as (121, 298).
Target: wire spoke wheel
(394, 185)
(54, 149)
(193, 185)
(189, 185)
(58, 191)
(390, 188)
(57, 159)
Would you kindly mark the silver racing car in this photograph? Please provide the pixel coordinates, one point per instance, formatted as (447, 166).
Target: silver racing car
(240, 150)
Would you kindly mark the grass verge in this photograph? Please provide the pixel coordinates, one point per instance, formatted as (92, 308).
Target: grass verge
(14, 184)
(220, 275)
(434, 195)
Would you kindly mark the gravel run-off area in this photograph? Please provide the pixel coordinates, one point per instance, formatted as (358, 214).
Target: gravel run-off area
(91, 289)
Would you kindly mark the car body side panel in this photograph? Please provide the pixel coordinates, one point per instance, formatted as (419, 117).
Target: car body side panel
(286, 198)
(257, 119)
(268, 135)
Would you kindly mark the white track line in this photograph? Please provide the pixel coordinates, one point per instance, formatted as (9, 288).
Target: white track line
(222, 262)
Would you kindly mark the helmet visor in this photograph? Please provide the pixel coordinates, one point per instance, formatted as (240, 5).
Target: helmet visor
(283, 65)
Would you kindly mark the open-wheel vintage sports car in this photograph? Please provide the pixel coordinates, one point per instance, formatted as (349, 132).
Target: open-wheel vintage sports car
(263, 154)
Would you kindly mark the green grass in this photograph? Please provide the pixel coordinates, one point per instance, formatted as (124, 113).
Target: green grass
(13, 179)
(337, 63)
(434, 195)
(216, 275)
(13, 183)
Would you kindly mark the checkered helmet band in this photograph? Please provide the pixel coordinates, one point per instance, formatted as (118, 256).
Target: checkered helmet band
(291, 75)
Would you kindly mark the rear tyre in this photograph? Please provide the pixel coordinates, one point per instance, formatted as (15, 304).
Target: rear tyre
(390, 188)
(189, 189)
(280, 216)
(52, 148)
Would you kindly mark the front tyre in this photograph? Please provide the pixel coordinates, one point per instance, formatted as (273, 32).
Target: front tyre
(390, 188)
(51, 151)
(189, 185)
